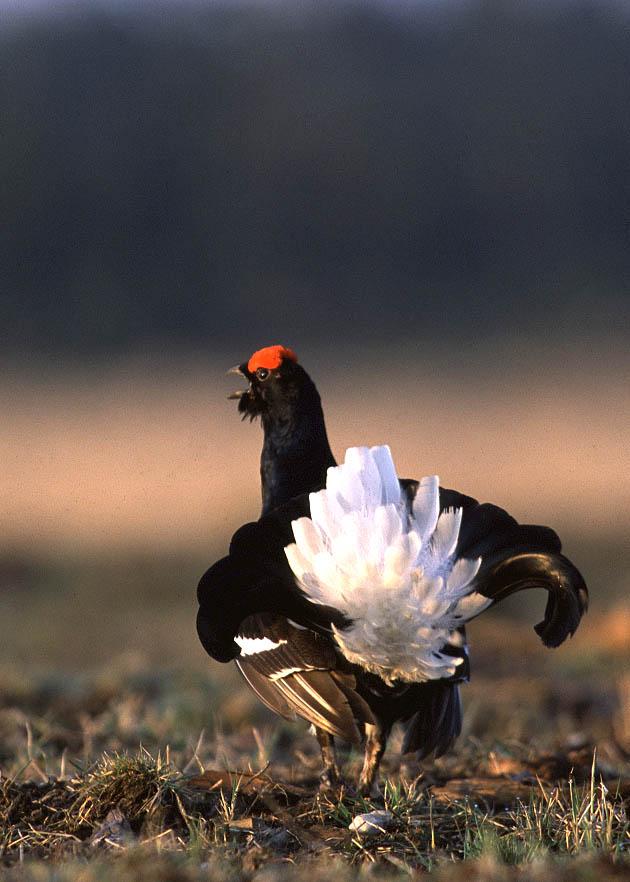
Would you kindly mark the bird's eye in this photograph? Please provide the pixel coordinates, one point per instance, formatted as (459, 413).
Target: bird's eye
(262, 373)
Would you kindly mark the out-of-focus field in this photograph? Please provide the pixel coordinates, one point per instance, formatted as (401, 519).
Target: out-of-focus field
(121, 484)
(148, 455)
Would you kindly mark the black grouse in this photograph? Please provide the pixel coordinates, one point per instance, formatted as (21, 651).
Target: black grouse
(345, 603)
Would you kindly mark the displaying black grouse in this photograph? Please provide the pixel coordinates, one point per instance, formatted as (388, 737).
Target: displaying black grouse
(345, 603)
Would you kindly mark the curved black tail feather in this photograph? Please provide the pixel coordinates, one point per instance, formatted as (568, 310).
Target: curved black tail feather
(568, 596)
(516, 557)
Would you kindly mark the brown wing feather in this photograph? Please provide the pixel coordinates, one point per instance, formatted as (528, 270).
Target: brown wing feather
(266, 691)
(300, 677)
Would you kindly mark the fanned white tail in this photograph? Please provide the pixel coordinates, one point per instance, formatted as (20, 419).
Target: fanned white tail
(389, 568)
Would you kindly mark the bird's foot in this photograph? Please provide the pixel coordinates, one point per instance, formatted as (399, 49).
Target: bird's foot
(330, 777)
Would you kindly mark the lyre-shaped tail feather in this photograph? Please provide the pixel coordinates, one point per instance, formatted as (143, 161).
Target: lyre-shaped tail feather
(516, 557)
(568, 596)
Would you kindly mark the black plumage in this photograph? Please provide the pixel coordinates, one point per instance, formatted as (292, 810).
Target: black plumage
(299, 668)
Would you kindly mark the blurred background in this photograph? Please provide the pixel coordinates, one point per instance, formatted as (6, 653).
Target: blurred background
(430, 202)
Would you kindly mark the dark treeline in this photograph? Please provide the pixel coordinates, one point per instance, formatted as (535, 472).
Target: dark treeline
(188, 175)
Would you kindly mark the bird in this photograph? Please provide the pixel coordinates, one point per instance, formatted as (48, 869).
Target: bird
(345, 602)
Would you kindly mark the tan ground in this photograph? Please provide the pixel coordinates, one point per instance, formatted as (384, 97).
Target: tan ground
(147, 454)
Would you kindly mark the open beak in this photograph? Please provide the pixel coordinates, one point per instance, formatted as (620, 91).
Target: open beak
(238, 369)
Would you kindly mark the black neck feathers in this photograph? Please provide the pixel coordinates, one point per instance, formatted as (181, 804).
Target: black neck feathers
(296, 452)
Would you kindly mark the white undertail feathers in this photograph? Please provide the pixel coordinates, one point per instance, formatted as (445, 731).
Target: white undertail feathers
(389, 566)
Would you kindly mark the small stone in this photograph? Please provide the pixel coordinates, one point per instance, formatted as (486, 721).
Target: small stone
(372, 823)
(276, 839)
(114, 832)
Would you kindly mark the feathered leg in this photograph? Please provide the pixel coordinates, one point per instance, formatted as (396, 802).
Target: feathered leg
(330, 777)
(375, 743)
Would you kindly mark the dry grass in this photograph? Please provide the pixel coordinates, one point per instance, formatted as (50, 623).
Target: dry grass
(244, 821)
(78, 795)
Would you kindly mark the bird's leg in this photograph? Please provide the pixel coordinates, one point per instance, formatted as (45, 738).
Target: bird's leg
(375, 743)
(330, 776)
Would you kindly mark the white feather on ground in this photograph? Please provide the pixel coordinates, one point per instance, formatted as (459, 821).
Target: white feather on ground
(390, 569)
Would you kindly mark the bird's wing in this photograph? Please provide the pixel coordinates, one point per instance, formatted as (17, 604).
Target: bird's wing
(294, 670)
(255, 578)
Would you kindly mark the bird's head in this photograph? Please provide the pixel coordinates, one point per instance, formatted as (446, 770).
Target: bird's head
(296, 452)
(275, 382)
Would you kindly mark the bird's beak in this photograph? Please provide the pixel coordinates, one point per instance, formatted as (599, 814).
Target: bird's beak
(238, 369)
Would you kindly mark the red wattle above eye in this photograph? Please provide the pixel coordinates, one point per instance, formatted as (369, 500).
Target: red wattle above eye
(271, 357)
